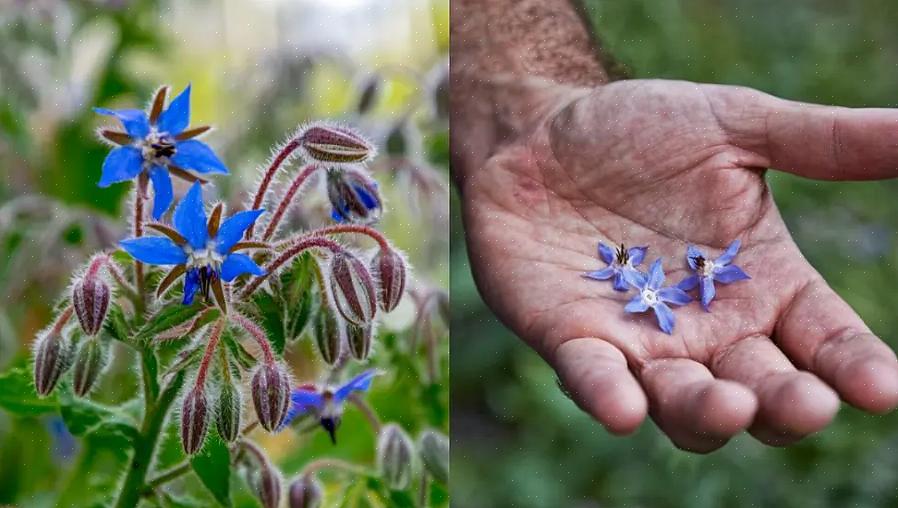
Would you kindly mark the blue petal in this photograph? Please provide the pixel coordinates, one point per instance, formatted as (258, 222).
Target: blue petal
(357, 384)
(606, 253)
(636, 254)
(656, 275)
(729, 254)
(665, 317)
(674, 295)
(190, 217)
(337, 216)
(368, 199)
(232, 229)
(635, 278)
(122, 163)
(196, 155)
(692, 252)
(134, 120)
(162, 189)
(302, 401)
(689, 283)
(730, 273)
(191, 285)
(175, 119)
(236, 265)
(708, 291)
(603, 274)
(154, 250)
(637, 304)
(620, 283)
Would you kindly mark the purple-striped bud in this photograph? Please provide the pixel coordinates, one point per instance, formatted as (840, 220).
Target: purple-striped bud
(52, 357)
(395, 455)
(353, 288)
(264, 478)
(194, 420)
(389, 268)
(328, 143)
(328, 335)
(271, 395)
(90, 297)
(305, 492)
(353, 195)
(89, 363)
(359, 340)
(227, 414)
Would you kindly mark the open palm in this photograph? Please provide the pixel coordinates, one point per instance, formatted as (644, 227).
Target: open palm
(665, 164)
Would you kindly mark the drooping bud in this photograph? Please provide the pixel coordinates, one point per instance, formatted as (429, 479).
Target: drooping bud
(264, 477)
(305, 492)
(52, 357)
(369, 94)
(90, 297)
(89, 363)
(353, 288)
(398, 139)
(389, 268)
(227, 416)
(194, 420)
(328, 143)
(359, 340)
(353, 195)
(395, 456)
(271, 395)
(328, 335)
(434, 449)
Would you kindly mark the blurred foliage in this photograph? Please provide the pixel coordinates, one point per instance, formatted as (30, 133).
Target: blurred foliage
(519, 442)
(258, 70)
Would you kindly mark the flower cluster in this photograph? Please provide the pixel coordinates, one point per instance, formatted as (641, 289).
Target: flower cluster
(652, 293)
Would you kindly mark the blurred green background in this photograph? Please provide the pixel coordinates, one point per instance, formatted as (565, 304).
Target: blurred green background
(517, 441)
(258, 69)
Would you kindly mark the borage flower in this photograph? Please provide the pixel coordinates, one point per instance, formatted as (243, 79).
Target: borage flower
(156, 145)
(707, 271)
(353, 195)
(327, 402)
(653, 295)
(204, 251)
(620, 260)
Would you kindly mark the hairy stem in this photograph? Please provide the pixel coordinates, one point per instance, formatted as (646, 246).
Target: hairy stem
(366, 410)
(63, 318)
(329, 463)
(287, 200)
(268, 176)
(214, 337)
(356, 228)
(138, 232)
(300, 245)
(257, 333)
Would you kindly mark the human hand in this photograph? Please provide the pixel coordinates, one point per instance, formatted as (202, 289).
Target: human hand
(666, 164)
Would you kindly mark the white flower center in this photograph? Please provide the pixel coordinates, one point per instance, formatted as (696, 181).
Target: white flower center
(157, 147)
(707, 268)
(650, 296)
(204, 257)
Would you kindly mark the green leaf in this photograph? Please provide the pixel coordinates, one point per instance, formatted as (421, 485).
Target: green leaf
(213, 466)
(268, 312)
(17, 394)
(238, 352)
(83, 416)
(95, 478)
(116, 325)
(167, 318)
(393, 498)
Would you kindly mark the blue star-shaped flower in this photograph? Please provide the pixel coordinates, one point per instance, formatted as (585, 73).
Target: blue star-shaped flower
(653, 295)
(327, 403)
(619, 260)
(156, 145)
(707, 271)
(204, 251)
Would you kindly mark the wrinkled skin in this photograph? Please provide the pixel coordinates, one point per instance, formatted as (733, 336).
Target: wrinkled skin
(664, 164)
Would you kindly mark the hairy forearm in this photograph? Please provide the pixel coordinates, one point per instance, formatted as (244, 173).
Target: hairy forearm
(508, 59)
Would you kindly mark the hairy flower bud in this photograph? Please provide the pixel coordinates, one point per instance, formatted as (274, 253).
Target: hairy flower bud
(353, 195)
(90, 297)
(271, 395)
(394, 456)
(434, 449)
(227, 416)
(305, 492)
(328, 143)
(264, 478)
(370, 92)
(52, 356)
(359, 339)
(328, 335)
(89, 363)
(389, 268)
(194, 420)
(353, 288)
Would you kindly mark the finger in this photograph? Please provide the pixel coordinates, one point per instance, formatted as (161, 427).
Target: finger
(595, 374)
(698, 413)
(791, 403)
(821, 333)
(831, 143)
